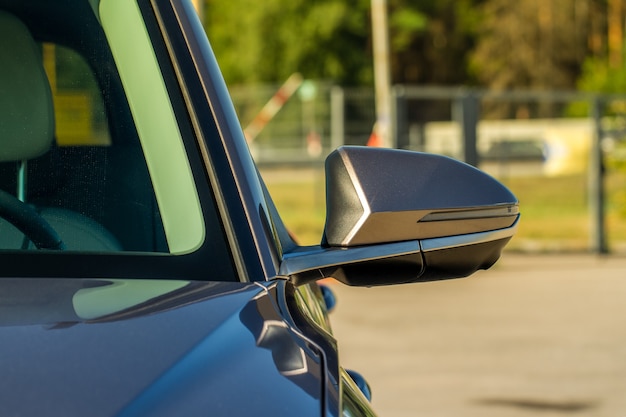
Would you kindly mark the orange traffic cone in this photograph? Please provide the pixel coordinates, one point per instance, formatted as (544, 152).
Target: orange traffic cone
(376, 138)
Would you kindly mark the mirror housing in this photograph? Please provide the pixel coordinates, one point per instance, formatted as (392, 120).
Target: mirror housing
(395, 216)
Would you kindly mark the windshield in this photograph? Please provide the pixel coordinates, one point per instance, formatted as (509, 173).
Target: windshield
(92, 157)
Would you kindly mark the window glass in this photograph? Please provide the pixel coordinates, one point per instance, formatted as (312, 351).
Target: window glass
(156, 124)
(90, 143)
(80, 114)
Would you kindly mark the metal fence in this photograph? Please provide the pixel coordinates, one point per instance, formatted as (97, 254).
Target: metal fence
(544, 135)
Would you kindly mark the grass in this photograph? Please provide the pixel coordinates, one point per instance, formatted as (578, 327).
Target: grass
(300, 198)
(555, 214)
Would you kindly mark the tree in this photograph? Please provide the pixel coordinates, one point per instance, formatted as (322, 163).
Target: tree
(431, 40)
(499, 44)
(604, 69)
(331, 39)
(534, 44)
(324, 39)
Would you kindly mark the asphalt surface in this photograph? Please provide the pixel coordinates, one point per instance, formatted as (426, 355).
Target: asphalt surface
(533, 336)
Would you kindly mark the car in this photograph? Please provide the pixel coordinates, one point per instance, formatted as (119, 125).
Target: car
(519, 150)
(145, 268)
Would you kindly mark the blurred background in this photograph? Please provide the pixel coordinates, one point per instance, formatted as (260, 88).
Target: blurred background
(533, 92)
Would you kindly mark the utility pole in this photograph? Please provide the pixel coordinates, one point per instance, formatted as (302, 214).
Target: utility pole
(382, 73)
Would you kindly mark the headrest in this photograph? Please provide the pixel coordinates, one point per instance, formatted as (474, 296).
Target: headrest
(26, 110)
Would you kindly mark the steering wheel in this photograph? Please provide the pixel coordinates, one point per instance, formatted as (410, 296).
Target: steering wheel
(26, 219)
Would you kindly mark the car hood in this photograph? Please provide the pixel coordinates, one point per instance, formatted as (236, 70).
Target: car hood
(158, 348)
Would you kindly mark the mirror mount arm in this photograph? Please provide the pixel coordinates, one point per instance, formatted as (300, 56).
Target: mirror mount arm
(400, 262)
(311, 263)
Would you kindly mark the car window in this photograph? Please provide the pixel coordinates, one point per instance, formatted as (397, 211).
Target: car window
(92, 151)
(156, 124)
(79, 110)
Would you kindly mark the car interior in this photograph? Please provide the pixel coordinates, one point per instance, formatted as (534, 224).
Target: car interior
(69, 150)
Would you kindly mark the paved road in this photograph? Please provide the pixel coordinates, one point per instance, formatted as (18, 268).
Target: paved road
(534, 336)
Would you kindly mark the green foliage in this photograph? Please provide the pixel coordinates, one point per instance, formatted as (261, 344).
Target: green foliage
(534, 44)
(597, 76)
(406, 24)
(499, 44)
(431, 40)
(331, 40)
(268, 42)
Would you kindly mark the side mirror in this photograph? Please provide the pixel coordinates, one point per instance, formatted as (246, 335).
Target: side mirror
(396, 216)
